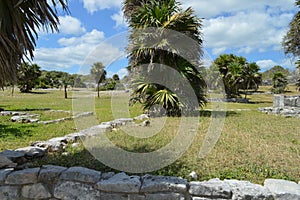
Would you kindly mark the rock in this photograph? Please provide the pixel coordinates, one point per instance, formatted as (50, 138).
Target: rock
(110, 196)
(4, 173)
(21, 177)
(75, 145)
(68, 190)
(6, 163)
(1, 110)
(33, 152)
(163, 184)
(81, 174)
(5, 113)
(165, 196)
(193, 175)
(146, 123)
(9, 193)
(283, 190)
(107, 175)
(214, 188)
(35, 191)
(141, 117)
(247, 190)
(120, 183)
(15, 156)
(50, 173)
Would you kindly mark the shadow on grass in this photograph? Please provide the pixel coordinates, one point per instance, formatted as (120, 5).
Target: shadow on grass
(31, 109)
(33, 92)
(6, 131)
(208, 113)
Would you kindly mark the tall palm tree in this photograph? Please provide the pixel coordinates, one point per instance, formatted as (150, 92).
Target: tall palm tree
(20, 21)
(99, 74)
(150, 42)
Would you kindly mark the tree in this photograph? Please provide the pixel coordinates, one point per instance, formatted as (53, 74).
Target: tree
(237, 74)
(291, 41)
(116, 77)
(230, 67)
(163, 15)
(67, 80)
(99, 74)
(19, 22)
(298, 85)
(28, 76)
(279, 83)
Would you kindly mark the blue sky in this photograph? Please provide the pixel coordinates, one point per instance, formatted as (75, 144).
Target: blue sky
(96, 31)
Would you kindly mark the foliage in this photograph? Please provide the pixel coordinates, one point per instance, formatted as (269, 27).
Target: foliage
(150, 21)
(28, 76)
(291, 41)
(99, 74)
(20, 21)
(237, 74)
(279, 83)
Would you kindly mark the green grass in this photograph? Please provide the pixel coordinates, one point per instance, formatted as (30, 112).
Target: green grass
(253, 145)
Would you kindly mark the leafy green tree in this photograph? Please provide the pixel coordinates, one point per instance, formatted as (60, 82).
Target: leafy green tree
(19, 22)
(230, 67)
(279, 83)
(251, 77)
(116, 77)
(291, 41)
(99, 74)
(28, 76)
(163, 15)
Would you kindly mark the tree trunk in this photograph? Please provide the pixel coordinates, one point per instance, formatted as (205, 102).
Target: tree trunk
(66, 94)
(98, 88)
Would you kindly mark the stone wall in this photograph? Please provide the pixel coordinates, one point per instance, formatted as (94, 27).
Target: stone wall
(55, 182)
(286, 101)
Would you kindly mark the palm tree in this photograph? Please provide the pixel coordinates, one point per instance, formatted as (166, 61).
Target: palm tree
(99, 74)
(19, 22)
(150, 22)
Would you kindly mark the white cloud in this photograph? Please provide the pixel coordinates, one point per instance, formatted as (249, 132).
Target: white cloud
(213, 8)
(95, 5)
(71, 25)
(246, 31)
(121, 73)
(266, 64)
(119, 19)
(78, 51)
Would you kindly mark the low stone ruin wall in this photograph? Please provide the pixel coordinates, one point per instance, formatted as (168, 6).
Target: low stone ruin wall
(55, 182)
(286, 101)
(287, 106)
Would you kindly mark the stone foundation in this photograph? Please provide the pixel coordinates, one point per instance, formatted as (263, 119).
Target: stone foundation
(55, 182)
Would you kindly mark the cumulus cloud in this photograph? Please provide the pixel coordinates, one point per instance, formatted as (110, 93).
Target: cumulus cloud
(71, 25)
(246, 31)
(78, 51)
(95, 5)
(119, 20)
(214, 8)
(266, 64)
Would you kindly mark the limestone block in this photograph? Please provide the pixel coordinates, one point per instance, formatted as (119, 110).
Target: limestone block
(25, 176)
(282, 189)
(35, 191)
(81, 174)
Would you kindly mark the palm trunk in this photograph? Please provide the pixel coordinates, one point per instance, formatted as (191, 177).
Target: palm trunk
(66, 94)
(98, 88)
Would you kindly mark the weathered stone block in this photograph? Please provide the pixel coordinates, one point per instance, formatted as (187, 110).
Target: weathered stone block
(283, 190)
(32, 151)
(15, 156)
(163, 184)
(213, 188)
(165, 196)
(50, 173)
(81, 174)
(108, 196)
(4, 173)
(68, 190)
(120, 183)
(247, 190)
(35, 191)
(5, 162)
(25, 176)
(9, 193)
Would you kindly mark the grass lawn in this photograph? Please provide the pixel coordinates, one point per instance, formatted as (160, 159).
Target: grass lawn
(253, 145)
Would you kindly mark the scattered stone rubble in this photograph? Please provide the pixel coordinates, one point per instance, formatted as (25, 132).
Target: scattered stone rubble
(51, 182)
(23, 117)
(287, 106)
(55, 182)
